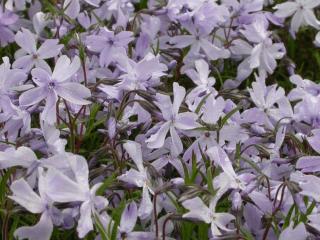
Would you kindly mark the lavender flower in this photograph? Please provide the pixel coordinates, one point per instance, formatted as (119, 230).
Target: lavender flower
(173, 120)
(198, 210)
(108, 44)
(125, 119)
(302, 12)
(139, 178)
(29, 56)
(50, 86)
(7, 19)
(26, 197)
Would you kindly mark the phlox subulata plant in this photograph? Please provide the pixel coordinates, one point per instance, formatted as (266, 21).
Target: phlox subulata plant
(160, 119)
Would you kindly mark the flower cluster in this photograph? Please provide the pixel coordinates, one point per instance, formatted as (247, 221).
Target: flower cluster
(159, 119)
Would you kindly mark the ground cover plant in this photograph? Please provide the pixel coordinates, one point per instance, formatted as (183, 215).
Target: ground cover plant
(159, 119)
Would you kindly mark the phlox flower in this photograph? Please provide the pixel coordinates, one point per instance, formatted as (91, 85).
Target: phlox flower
(173, 120)
(302, 11)
(199, 211)
(75, 188)
(51, 85)
(23, 194)
(29, 56)
(139, 178)
(7, 18)
(108, 44)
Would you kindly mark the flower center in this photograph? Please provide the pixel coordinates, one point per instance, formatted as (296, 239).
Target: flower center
(185, 8)
(51, 85)
(110, 42)
(212, 216)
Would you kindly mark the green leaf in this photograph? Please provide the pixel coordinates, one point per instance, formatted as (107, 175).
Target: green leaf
(106, 183)
(3, 185)
(223, 121)
(99, 226)
(209, 180)
(288, 217)
(246, 234)
(116, 216)
(92, 123)
(203, 231)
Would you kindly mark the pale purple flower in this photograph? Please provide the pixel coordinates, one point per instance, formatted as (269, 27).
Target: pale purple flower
(314, 221)
(228, 179)
(10, 79)
(314, 140)
(40, 21)
(173, 120)
(121, 10)
(143, 116)
(22, 156)
(127, 223)
(243, 159)
(307, 183)
(302, 11)
(199, 40)
(7, 18)
(303, 88)
(140, 75)
(75, 188)
(29, 55)
(39, 204)
(246, 9)
(50, 86)
(108, 44)
(309, 164)
(199, 211)
(204, 84)
(55, 144)
(272, 104)
(139, 178)
(262, 55)
(16, 120)
(19, 5)
(161, 162)
(182, 10)
(213, 109)
(294, 233)
(210, 14)
(307, 110)
(219, 157)
(72, 7)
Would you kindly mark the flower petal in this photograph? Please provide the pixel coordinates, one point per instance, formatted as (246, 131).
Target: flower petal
(40, 76)
(25, 196)
(85, 224)
(129, 218)
(50, 48)
(65, 69)
(176, 146)
(32, 96)
(145, 208)
(157, 139)
(179, 93)
(62, 188)
(134, 151)
(24, 62)
(74, 93)
(197, 210)
(26, 40)
(43, 228)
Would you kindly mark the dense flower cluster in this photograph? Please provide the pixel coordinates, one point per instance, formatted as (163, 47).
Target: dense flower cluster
(159, 119)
